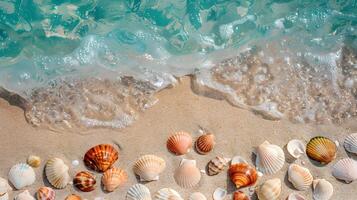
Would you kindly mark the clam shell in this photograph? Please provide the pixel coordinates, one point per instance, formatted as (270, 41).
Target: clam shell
(270, 158)
(25, 195)
(114, 178)
(57, 173)
(167, 194)
(216, 165)
(269, 190)
(205, 143)
(179, 143)
(197, 196)
(321, 149)
(350, 143)
(138, 192)
(294, 196)
(219, 194)
(73, 197)
(21, 175)
(101, 157)
(84, 181)
(45, 193)
(242, 175)
(4, 186)
(345, 169)
(187, 175)
(148, 167)
(296, 148)
(300, 177)
(239, 195)
(322, 189)
(34, 161)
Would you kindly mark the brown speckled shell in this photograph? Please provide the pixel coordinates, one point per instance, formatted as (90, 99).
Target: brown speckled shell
(239, 195)
(242, 175)
(73, 197)
(205, 143)
(179, 143)
(216, 165)
(114, 178)
(45, 193)
(321, 149)
(101, 157)
(84, 181)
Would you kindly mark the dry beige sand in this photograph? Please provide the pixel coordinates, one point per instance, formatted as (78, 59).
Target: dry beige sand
(237, 132)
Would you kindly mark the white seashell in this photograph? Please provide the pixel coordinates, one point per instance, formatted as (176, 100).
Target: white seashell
(270, 158)
(34, 161)
(197, 196)
(300, 177)
(219, 194)
(4, 196)
(350, 143)
(296, 148)
(187, 175)
(294, 196)
(57, 173)
(25, 195)
(345, 169)
(138, 192)
(148, 167)
(269, 190)
(322, 189)
(238, 159)
(167, 194)
(75, 163)
(21, 175)
(4, 187)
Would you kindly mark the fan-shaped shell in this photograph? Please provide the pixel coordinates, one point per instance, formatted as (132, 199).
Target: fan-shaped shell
(296, 148)
(25, 195)
(294, 196)
(197, 196)
(167, 194)
(84, 181)
(101, 157)
(269, 190)
(345, 169)
(114, 178)
(73, 197)
(34, 161)
(187, 175)
(57, 173)
(138, 192)
(179, 143)
(350, 143)
(216, 165)
(322, 189)
(219, 194)
(321, 149)
(4, 186)
(239, 195)
(270, 158)
(45, 193)
(242, 175)
(21, 175)
(149, 167)
(205, 143)
(300, 177)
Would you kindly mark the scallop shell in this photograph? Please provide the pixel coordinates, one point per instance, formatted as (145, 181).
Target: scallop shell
(73, 197)
(148, 167)
(167, 194)
(269, 190)
(216, 165)
(205, 143)
(239, 195)
(242, 175)
(187, 175)
(21, 175)
(270, 158)
(138, 192)
(101, 157)
(345, 169)
(25, 195)
(294, 196)
(34, 161)
(114, 178)
(4, 186)
(179, 143)
(300, 177)
(350, 143)
(219, 194)
(197, 196)
(321, 149)
(84, 181)
(322, 189)
(45, 193)
(296, 148)
(57, 173)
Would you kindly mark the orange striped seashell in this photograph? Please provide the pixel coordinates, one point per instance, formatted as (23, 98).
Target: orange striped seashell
(239, 195)
(321, 149)
(101, 157)
(73, 197)
(243, 175)
(205, 143)
(179, 143)
(84, 181)
(114, 178)
(45, 193)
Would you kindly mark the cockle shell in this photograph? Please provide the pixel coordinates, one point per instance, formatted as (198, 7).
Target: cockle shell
(113, 178)
(4, 186)
(239, 195)
(219, 194)
(187, 175)
(300, 177)
(167, 194)
(21, 175)
(296, 148)
(197, 196)
(321, 149)
(216, 165)
(138, 192)
(34, 161)
(73, 197)
(149, 167)
(205, 143)
(101, 157)
(84, 181)
(269, 190)
(25, 195)
(179, 143)
(270, 158)
(350, 143)
(345, 169)
(242, 175)
(294, 196)
(322, 189)
(57, 173)
(45, 193)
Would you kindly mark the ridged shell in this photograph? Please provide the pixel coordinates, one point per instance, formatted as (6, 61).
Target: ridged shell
(149, 167)
(322, 189)
(197, 196)
(84, 181)
(216, 165)
(205, 143)
(25, 195)
(239, 195)
(21, 175)
(350, 143)
(345, 169)
(73, 197)
(167, 194)
(269, 190)
(45, 193)
(138, 192)
(101, 157)
(270, 158)
(242, 175)
(179, 143)
(296, 148)
(219, 194)
(4, 186)
(321, 149)
(114, 178)
(187, 175)
(34, 161)
(294, 196)
(57, 173)
(300, 177)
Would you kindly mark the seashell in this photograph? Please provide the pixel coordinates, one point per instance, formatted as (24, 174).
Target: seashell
(187, 175)
(179, 143)
(269, 190)
(25, 195)
(296, 148)
(114, 178)
(138, 192)
(238, 159)
(34, 161)
(101, 157)
(205, 143)
(350, 143)
(322, 189)
(300, 177)
(73, 197)
(294, 196)
(197, 196)
(239, 195)
(4, 196)
(345, 169)
(148, 167)
(4, 187)
(167, 194)
(57, 173)
(21, 175)
(84, 181)
(219, 194)
(270, 158)
(45, 193)
(242, 175)
(321, 149)
(216, 165)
